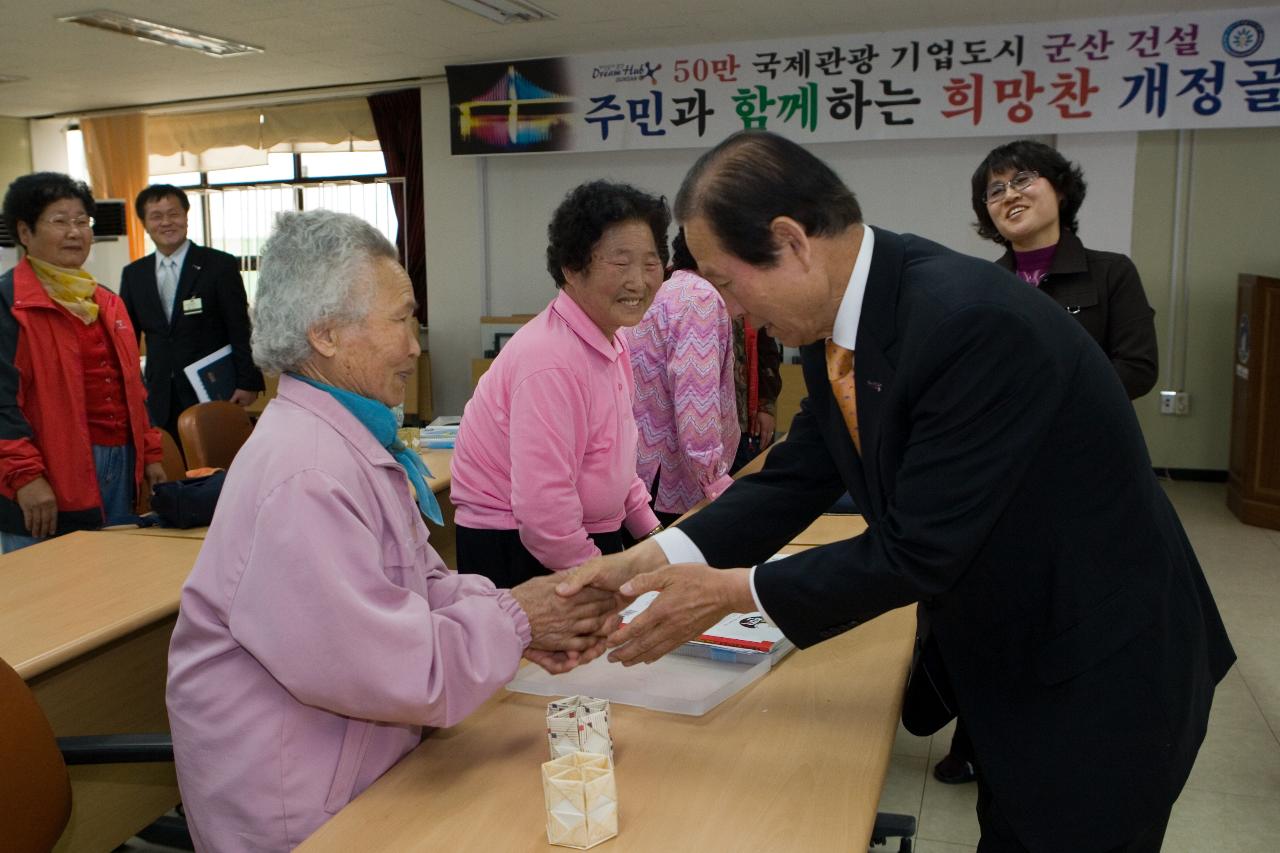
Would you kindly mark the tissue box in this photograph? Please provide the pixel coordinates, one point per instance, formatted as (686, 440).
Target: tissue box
(581, 798)
(579, 724)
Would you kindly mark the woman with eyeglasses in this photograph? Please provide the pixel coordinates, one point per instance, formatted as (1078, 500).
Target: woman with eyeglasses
(75, 440)
(544, 468)
(1027, 197)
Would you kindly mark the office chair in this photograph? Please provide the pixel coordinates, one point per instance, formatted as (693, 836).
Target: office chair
(175, 468)
(212, 433)
(35, 790)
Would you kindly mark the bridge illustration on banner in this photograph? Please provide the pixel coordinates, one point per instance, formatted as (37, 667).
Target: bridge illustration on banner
(514, 111)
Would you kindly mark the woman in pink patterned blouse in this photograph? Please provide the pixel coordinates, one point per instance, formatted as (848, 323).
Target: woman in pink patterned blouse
(685, 398)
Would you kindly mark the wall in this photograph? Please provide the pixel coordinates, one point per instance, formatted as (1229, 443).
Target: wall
(1233, 204)
(486, 227)
(486, 217)
(48, 145)
(15, 149)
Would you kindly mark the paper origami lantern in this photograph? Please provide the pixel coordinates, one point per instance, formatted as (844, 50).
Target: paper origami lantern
(579, 724)
(581, 798)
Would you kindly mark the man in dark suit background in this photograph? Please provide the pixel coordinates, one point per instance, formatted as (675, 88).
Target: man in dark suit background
(1007, 489)
(189, 301)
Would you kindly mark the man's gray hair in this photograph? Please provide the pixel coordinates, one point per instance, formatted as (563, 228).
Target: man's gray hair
(314, 268)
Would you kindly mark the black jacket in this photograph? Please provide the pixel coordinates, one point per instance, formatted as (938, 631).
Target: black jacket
(174, 342)
(1103, 291)
(1007, 489)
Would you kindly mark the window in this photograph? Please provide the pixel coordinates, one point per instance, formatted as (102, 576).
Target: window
(235, 209)
(77, 164)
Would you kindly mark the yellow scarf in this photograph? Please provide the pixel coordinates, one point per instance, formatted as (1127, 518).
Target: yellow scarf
(72, 289)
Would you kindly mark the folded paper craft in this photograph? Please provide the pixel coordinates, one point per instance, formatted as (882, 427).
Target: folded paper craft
(579, 724)
(581, 799)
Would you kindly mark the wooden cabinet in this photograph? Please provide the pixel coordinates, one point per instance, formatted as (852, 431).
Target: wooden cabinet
(1253, 485)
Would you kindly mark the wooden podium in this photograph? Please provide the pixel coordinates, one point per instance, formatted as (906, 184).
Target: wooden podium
(1253, 486)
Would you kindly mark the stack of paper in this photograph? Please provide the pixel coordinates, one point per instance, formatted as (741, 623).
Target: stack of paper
(437, 436)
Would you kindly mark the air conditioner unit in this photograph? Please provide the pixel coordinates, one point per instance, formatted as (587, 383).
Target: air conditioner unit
(108, 222)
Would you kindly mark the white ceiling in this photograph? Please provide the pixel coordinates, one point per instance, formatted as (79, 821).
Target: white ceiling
(318, 43)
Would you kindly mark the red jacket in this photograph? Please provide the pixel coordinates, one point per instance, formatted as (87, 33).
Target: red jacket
(44, 431)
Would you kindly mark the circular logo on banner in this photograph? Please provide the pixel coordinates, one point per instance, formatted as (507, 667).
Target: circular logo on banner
(1243, 38)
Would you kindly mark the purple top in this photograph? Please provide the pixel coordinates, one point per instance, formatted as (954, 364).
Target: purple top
(685, 400)
(1034, 265)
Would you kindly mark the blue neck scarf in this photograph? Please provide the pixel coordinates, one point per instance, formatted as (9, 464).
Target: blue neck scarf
(380, 421)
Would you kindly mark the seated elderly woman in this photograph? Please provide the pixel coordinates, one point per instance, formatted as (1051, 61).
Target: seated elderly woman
(544, 468)
(319, 631)
(75, 440)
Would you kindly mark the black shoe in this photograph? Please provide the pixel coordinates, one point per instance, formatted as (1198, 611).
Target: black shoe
(954, 771)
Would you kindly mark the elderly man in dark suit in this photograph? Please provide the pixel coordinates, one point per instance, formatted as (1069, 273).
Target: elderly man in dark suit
(189, 301)
(1007, 489)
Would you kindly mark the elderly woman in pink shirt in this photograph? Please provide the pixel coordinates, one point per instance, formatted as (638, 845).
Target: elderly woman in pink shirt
(686, 399)
(319, 631)
(544, 469)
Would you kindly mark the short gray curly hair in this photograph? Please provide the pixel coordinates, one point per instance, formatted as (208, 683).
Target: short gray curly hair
(312, 269)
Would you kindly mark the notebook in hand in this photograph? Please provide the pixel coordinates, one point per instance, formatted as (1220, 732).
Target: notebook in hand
(213, 377)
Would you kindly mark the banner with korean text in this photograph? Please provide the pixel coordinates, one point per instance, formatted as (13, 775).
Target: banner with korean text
(1161, 71)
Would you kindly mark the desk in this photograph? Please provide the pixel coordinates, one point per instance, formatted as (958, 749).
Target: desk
(439, 462)
(794, 762)
(87, 619)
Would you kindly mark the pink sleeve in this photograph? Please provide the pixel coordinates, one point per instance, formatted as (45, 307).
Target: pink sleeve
(316, 606)
(640, 520)
(548, 441)
(698, 342)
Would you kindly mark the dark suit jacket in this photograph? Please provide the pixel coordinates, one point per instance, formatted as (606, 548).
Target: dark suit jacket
(1103, 291)
(175, 341)
(1009, 491)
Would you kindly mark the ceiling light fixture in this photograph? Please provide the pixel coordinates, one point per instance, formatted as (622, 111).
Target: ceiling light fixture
(152, 31)
(505, 11)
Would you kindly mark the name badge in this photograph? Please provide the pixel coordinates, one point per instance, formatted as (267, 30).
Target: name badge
(192, 306)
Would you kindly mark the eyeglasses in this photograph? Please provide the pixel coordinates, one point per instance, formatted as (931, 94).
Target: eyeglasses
(62, 223)
(155, 218)
(1017, 183)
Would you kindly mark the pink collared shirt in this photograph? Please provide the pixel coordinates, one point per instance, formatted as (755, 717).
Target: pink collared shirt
(685, 401)
(547, 444)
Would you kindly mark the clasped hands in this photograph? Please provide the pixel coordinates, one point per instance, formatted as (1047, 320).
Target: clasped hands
(692, 598)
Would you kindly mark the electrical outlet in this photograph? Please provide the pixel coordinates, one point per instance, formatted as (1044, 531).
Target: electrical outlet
(1175, 403)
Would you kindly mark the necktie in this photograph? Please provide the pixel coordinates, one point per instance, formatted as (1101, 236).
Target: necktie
(840, 372)
(167, 285)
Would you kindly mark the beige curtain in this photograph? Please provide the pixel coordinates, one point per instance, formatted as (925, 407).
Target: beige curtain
(116, 150)
(262, 128)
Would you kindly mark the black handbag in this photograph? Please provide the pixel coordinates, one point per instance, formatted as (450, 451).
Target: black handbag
(189, 502)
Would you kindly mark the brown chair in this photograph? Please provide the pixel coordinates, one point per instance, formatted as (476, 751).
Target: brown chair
(212, 433)
(35, 790)
(174, 469)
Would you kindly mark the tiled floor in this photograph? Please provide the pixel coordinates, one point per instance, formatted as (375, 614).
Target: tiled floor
(1232, 800)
